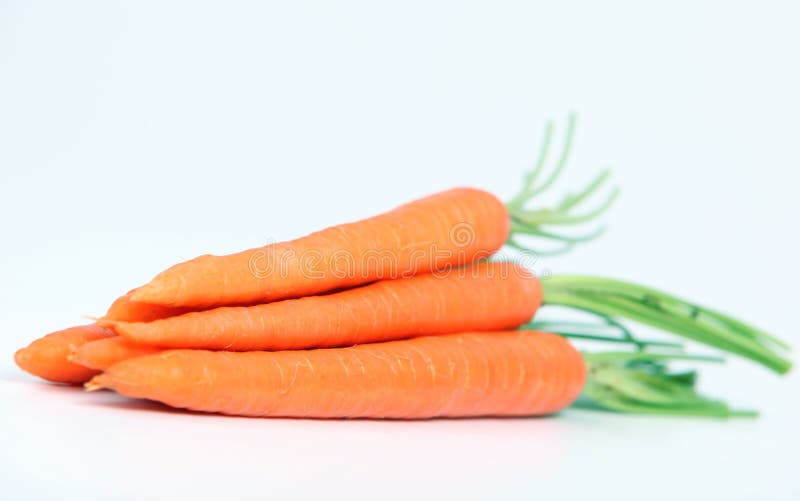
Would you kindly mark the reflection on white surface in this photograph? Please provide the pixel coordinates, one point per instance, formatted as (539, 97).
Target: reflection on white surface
(95, 441)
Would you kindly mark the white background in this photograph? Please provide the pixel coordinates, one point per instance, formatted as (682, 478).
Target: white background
(134, 135)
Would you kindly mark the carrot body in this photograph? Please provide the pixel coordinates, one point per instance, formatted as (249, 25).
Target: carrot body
(48, 356)
(486, 296)
(103, 353)
(454, 227)
(475, 374)
(126, 309)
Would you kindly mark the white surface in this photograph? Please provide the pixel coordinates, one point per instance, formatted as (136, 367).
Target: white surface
(134, 135)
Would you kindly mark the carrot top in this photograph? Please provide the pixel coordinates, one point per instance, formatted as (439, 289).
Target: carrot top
(533, 224)
(610, 298)
(642, 381)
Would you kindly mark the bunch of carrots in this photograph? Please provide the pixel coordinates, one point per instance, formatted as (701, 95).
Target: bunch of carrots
(408, 314)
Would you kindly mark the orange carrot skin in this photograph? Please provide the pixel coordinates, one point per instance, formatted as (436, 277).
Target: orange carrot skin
(513, 373)
(484, 297)
(48, 356)
(103, 353)
(126, 309)
(451, 228)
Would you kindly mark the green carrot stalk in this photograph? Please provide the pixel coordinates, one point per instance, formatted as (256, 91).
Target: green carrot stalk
(639, 382)
(642, 383)
(530, 222)
(617, 299)
(636, 382)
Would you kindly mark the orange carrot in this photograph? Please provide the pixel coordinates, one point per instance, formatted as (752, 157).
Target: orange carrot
(483, 297)
(510, 373)
(103, 353)
(126, 309)
(48, 356)
(454, 227)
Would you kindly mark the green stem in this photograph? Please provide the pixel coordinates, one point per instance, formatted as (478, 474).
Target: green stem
(562, 161)
(610, 339)
(533, 175)
(638, 356)
(569, 330)
(641, 383)
(615, 298)
(571, 201)
(534, 222)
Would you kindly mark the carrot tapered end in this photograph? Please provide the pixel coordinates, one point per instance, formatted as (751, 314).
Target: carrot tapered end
(99, 382)
(21, 359)
(107, 323)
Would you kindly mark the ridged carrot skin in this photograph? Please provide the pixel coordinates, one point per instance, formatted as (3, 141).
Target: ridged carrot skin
(454, 227)
(48, 356)
(103, 353)
(126, 309)
(483, 297)
(512, 373)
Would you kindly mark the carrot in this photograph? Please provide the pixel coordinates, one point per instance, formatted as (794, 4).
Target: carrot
(48, 356)
(103, 353)
(450, 228)
(127, 310)
(512, 373)
(486, 296)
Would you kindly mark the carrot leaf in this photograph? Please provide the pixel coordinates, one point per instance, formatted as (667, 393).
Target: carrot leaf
(533, 223)
(617, 299)
(643, 383)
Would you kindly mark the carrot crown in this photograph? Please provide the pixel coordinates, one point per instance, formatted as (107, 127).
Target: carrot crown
(527, 221)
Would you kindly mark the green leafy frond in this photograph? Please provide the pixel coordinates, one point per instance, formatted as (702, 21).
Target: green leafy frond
(532, 222)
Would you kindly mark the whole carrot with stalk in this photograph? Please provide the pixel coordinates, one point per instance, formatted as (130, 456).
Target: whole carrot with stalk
(452, 228)
(632, 382)
(628, 380)
(485, 296)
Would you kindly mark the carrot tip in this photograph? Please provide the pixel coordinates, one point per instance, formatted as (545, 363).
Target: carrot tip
(96, 383)
(106, 323)
(21, 358)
